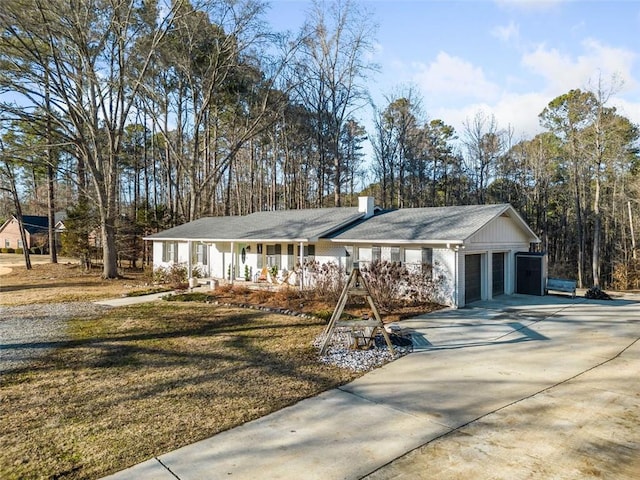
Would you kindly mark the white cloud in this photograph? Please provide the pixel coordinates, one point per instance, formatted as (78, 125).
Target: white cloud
(506, 33)
(562, 72)
(518, 112)
(451, 75)
(628, 109)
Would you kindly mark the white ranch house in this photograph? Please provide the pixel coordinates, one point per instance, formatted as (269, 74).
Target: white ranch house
(474, 246)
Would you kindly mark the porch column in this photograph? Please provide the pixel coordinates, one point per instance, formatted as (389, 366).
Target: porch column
(233, 267)
(301, 266)
(189, 258)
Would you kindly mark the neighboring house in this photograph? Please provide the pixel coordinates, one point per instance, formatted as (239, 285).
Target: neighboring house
(36, 230)
(473, 246)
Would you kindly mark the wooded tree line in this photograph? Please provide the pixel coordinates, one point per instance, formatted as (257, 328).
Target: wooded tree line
(140, 115)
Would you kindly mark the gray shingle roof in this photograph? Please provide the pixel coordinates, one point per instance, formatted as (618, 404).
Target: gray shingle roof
(432, 224)
(283, 225)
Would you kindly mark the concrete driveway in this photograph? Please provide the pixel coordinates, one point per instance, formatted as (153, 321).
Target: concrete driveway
(521, 387)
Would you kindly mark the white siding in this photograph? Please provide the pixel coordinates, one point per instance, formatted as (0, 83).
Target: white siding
(157, 255)
(364, 254)
(327, 253)
(444, 261)
(217, 266)
(500, 231)
(183, 254)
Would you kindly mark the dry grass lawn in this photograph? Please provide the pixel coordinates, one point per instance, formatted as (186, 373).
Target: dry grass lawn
(147, 379)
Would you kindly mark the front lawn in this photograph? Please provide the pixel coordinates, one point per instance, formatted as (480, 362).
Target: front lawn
(144, 380)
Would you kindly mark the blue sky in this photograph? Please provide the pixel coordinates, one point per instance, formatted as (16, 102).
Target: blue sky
(508, 58)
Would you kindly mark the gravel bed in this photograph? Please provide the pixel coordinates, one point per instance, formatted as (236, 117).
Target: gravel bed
(341, 355)
(30, 331)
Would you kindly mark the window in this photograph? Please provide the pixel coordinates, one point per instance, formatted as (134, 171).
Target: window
(348, 264)
(7, 243)
(395, 255)
(201, 253)
(169, 252)
(274, 255)
(260, 262)
(413, 259)
(376, 253)
(427, 256)
(427, 260)
(309, 251)
(291, 261)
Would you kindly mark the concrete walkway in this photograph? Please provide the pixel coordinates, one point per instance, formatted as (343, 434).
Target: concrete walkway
(469, 364)
(124, 301)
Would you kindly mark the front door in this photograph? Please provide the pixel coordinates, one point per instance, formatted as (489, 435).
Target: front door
(241, 262)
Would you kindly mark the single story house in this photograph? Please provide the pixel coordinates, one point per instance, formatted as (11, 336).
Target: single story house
(474, 246)
(36, 230)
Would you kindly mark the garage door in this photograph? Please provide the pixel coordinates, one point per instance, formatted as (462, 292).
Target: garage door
(472, 276)
(498, 274)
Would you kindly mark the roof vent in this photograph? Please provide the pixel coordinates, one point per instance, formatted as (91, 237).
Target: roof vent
(365, 205)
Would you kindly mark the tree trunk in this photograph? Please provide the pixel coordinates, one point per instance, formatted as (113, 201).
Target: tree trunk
(597, 227)
(16, 203)
(53, 247)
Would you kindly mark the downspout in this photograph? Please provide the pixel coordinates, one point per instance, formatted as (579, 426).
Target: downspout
(456, 293)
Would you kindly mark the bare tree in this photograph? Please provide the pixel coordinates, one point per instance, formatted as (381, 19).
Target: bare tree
(331, 67)
(9, 184)
(484, 145)
(77, 61)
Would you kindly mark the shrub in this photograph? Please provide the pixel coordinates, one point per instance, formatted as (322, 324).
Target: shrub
(262, 296)
(197, 272)
(174, 275)
(386, 281)
(626, 275)
(241, 290)
(226, 288)
(323, 314)
(190, 297)
(327, 280)
(391, 283)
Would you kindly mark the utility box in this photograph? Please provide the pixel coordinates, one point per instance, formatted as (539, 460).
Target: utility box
(531, 273)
